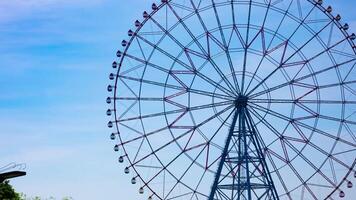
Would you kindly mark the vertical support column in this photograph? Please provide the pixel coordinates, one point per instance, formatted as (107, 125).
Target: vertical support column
(223, 156)
(259, 147)
(243, 158)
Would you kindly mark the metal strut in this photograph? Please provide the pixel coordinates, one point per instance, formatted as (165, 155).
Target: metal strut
(243, 173)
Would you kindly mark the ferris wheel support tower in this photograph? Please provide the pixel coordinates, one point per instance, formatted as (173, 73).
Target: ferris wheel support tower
(247, 166)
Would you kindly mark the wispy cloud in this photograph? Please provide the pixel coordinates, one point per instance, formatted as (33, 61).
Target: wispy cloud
(18, 9)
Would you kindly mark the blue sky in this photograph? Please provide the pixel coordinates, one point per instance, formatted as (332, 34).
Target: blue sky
(55, 57)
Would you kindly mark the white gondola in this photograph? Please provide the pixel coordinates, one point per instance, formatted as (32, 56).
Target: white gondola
(346, 27)
(114, 64)
(145, 15)
(137, 23)
(349, 184)
(352, 37)
(111, 76)
(110, 124)
(110, 88)
(121, 159)
(116, 147)
(108, 100)
(118, 54)
(112, 136)
(141, 190)
(124, 43)
(329, 9)
(127, 170)
(154, 6)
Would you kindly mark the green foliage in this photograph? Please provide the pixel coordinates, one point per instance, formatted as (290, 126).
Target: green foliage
(7, 192)
(24, 197)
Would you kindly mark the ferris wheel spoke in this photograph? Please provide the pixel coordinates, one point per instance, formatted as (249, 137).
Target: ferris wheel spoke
(141, 80)
(176, 87)
(213, 136)
(246, 48)
(284, 61)
(208, 57)
(269, 45)
(336, 119)
(197, 186)
(264, 54)
(188, 67)
(185, 133)
(144, 61)
(128, 109)
(261, 31)
(279, 135)
(172, 141)
(311, 39)
(217, 131)
(183, 7)
(299, 123)
(139, 98)
(185, 49)
(285, 14)
(253, 95)
(225, 47)
(331, 156)
(142, 135)
(141, 49)
(301, 101)
(193, 108)
(258, 142)
(310, 163)
(205, 93)
(138, 149)
(303, 182)
(270, 152)
(186, 171)
(256, 114)
(349, 72)
(132, 69)
(209, 140)
(350, 132)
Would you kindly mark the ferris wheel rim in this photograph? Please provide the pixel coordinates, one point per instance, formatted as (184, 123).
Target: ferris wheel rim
(347, 36)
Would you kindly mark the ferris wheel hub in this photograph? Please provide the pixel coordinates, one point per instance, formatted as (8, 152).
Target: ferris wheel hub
(241, 101)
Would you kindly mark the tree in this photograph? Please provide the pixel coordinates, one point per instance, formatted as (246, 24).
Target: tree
(7, 192)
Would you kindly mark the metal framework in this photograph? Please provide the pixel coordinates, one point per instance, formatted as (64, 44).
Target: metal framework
(237, 100)
(9, 175)
(251, 176)
(12, 170)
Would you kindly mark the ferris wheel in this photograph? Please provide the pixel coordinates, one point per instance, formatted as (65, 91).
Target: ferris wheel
(237, 100)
